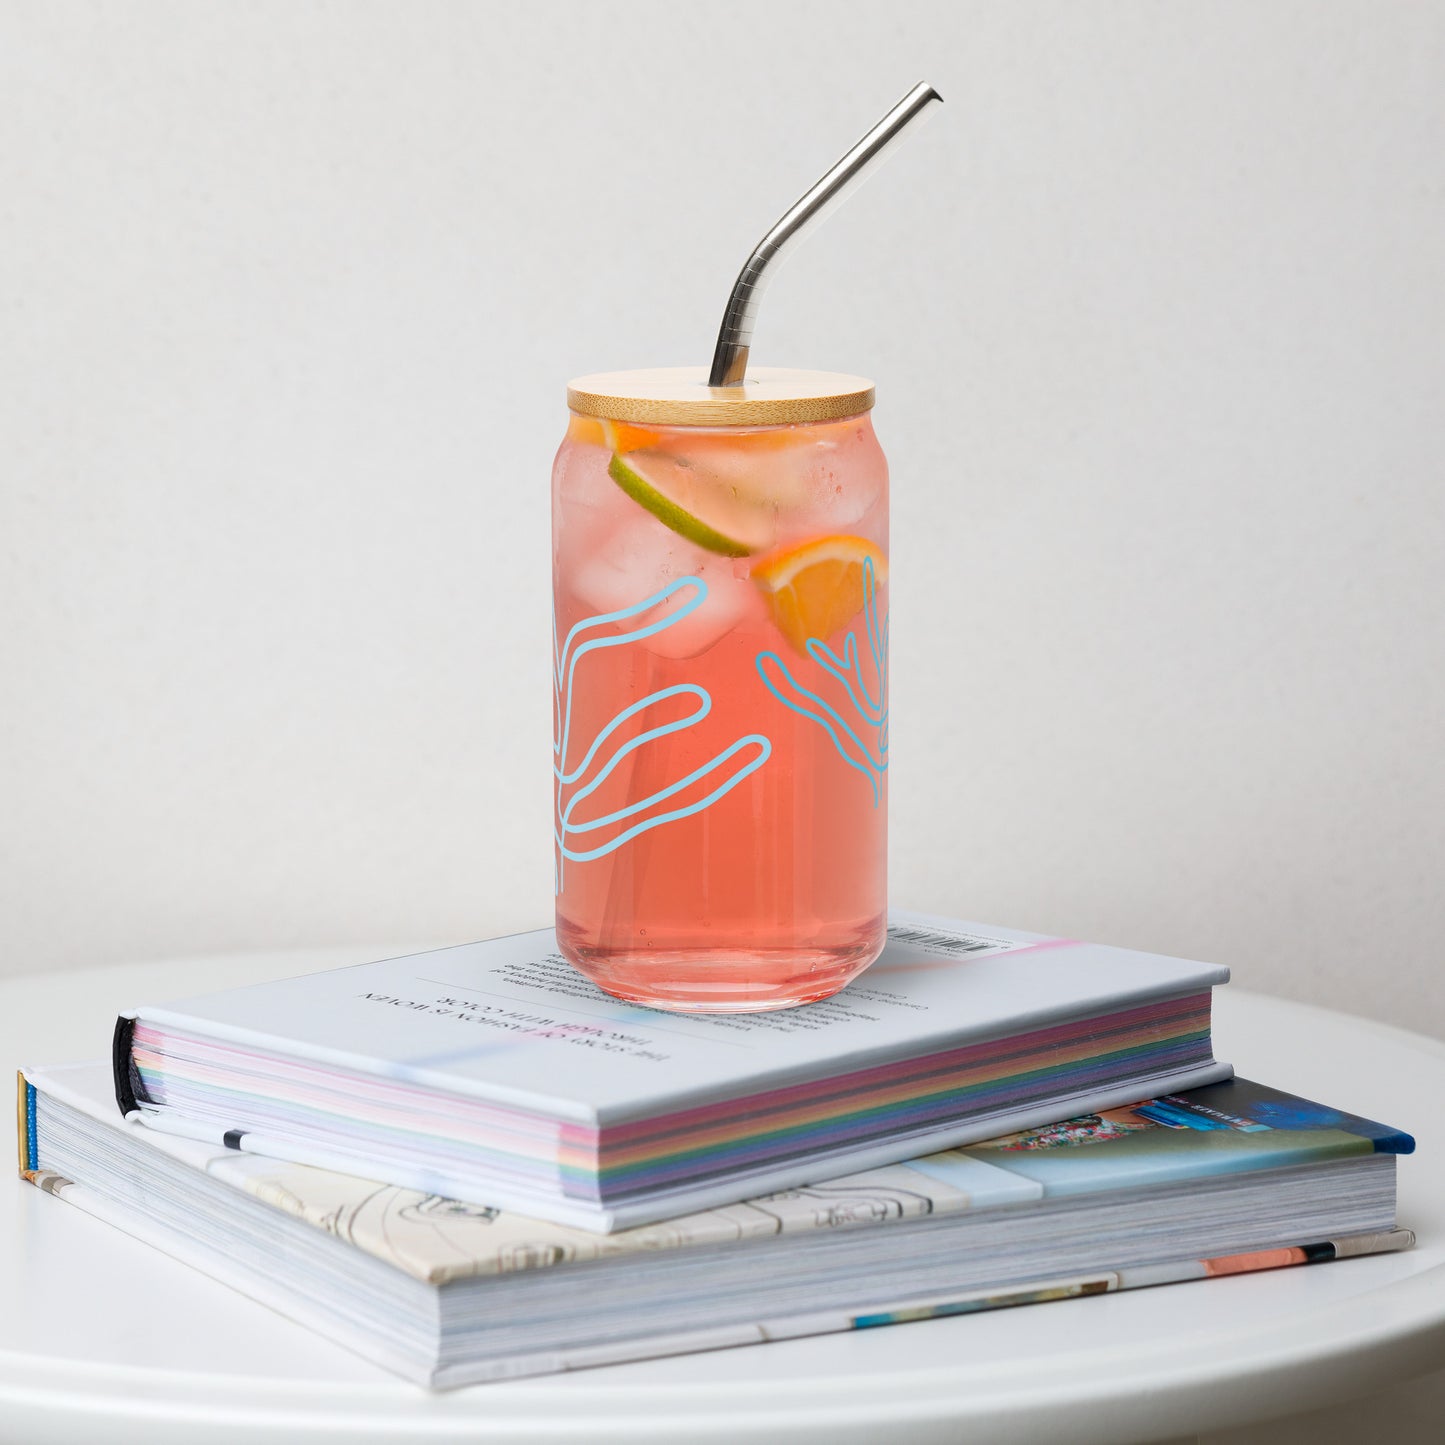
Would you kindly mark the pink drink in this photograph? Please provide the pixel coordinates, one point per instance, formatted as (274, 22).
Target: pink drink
(721, 704)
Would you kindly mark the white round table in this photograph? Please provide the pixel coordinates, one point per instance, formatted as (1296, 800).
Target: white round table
(103, 1339)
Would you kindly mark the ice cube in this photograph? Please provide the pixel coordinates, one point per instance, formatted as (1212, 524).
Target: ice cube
(640, 559)
(730, 601)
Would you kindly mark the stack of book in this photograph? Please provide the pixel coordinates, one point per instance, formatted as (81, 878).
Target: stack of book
(471, 1164)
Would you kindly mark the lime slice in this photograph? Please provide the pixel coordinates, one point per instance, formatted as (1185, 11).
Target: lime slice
(675, 493)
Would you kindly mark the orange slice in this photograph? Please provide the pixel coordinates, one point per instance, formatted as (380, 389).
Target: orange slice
(626, 437)
(816, 588)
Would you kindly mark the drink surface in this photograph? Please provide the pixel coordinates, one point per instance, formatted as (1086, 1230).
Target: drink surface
(721, 743)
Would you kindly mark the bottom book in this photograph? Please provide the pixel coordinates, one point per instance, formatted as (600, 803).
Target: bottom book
(1219, 1180)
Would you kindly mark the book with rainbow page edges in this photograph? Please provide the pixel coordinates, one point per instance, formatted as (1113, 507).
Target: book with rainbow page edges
(1219, 1180)
(494, 1071)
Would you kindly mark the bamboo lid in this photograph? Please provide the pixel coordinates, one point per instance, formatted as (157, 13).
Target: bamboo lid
(680, 396)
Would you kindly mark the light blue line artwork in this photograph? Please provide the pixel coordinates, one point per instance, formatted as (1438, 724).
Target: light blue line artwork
(727, 769)
(869, 703)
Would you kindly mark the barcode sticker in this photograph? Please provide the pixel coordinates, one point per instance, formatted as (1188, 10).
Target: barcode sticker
(954, 945)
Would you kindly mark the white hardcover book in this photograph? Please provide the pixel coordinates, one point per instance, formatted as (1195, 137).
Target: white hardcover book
(1231, 1177)
(495, 1070)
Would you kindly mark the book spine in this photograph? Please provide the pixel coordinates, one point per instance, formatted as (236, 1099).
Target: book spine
(25, 1141)
(122, 1070)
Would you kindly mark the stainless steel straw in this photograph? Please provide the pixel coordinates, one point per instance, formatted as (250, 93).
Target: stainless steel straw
(730, 359)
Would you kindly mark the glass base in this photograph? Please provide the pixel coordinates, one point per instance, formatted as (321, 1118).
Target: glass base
(722, 980)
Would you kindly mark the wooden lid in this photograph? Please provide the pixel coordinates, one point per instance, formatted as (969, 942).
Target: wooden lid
(680, 396)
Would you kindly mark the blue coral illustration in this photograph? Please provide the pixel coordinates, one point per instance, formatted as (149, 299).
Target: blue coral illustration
(862, 743)
(580, 839)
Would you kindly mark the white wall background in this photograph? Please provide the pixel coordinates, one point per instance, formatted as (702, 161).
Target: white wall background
(288, 296)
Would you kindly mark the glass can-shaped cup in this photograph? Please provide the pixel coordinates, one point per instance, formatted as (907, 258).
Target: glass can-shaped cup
(720, 676)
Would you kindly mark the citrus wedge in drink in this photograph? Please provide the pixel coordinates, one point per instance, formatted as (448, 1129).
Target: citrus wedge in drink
(697, 506)
(817, 587)
(616, 436)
